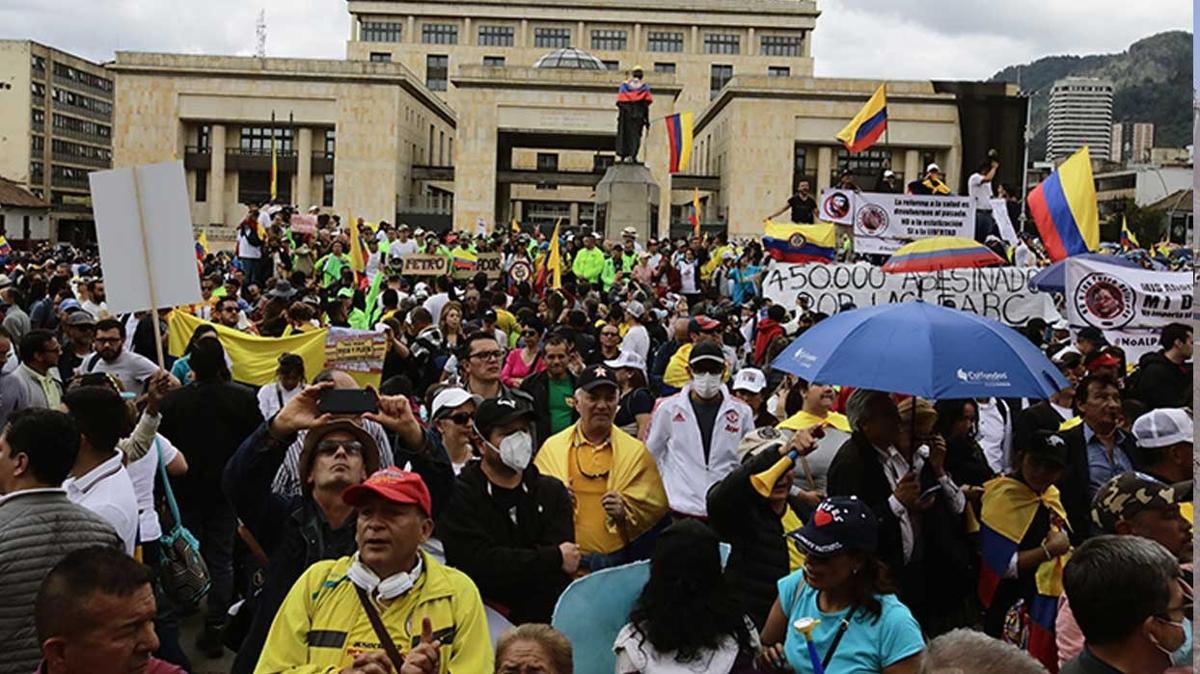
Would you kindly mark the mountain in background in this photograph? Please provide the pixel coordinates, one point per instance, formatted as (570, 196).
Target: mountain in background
(1152, 82)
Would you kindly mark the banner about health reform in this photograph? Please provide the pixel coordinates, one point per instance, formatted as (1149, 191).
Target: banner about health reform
(884, 222)
(1001, 293)
(1129, 305)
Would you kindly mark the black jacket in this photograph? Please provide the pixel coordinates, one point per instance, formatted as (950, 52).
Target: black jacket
(515, 564)
(745, 520)
(538, 386)
(1075, 486)
(1161, 383)
(856, 471)
(207, 421)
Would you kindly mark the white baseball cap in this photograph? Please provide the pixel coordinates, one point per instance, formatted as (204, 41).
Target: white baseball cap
(933, 167)
(630, 359)
(750, 379)
(448, 399)
(1163, 428)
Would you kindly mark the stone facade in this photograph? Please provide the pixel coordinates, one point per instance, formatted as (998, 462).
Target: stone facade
(214, 110)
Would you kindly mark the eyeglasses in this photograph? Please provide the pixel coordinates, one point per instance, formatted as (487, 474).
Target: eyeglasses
(460, 418)
(488, 355)
(607, 333)
(352, 447)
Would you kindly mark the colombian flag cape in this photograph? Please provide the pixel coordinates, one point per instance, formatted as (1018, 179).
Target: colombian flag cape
(1009, 507)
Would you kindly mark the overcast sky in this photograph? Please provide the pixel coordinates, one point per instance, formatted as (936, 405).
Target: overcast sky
(895, 39)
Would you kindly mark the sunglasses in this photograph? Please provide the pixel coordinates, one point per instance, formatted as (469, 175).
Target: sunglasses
(459, 418)
(352, 447)
(529, 333)
(610, 334)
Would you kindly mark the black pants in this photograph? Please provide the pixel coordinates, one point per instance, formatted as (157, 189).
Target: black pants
(214, 524)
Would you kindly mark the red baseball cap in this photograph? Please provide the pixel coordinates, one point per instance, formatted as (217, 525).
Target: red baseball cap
(392, 484)
(1103, 360)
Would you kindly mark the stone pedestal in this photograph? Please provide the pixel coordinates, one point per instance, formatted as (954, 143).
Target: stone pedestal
(627, 196)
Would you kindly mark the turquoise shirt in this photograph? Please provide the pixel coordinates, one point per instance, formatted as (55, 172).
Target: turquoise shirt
(868, 645)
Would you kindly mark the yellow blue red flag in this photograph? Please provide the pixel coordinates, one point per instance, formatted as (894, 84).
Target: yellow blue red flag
(1064, 208)
(679, 137)
(868, 125)
(800, 243)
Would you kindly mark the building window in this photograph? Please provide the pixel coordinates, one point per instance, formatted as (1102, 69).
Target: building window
(721, 74)
(37, 172)
(612, 65)
(327, 190)
(722, 43)
(868, 164)
(608, 40)
(381, 57)
(547, 161)
(201, 186)
(439, 33)
(330, 143)
(379, 31)
(664, 68)
(779, 71)
(780, 45)
(496, 36)
(437, 72)
(800, 166)
(38, 117)
(77, 125)
(257, 140)
(552, 38)
(601, 162)
(493, 61)
(87, 103)
(38, 144)
(38, 63)
(664, 41)
(37, 89)
(203, 137)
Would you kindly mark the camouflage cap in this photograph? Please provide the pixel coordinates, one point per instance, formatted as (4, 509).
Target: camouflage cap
(1130, 493)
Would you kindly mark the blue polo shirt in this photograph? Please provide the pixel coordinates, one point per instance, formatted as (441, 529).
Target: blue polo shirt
(1100, 468)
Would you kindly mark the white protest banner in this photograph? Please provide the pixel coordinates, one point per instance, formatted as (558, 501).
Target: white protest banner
(1130, 305)
(303, 223)
(885, 222)
(1001, 293)
(144, 227)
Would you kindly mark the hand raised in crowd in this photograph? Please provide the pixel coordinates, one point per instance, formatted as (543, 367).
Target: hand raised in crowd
(570, 557)
(395, 414)
(575, 363)
(614, 505)
(426, 657)
(804, 441)
(157, 388)
(937, 455)
(301, 412)
(373, 662)
(908, 491)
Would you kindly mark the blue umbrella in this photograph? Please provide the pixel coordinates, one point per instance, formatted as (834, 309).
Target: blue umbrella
(923, 350)
(1053, 279)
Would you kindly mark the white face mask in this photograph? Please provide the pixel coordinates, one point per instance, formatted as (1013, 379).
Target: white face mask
(516, 450)
(387, 588)
(707, 385)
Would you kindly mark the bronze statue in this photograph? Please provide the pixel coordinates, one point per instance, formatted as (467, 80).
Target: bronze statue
(633, 105)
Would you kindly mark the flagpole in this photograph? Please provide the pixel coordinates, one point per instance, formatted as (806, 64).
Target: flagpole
(1025, 159)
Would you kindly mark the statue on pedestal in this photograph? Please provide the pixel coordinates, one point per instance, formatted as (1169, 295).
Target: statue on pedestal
(633, 105)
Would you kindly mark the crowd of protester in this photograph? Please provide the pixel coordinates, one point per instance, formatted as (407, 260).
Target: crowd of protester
(529, 433)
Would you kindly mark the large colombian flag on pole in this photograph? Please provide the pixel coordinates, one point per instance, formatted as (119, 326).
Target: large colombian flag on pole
(1064, 208)
(679, 136)
(868, 125)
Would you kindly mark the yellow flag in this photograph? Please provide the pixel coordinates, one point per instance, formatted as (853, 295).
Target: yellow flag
(254, 358)
(358, 258)
(554, 259)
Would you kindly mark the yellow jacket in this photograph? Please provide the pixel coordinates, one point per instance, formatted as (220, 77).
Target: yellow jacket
(321, 625)
(676, 374)
(633, 475)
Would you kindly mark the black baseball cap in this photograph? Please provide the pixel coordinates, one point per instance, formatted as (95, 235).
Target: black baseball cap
(706, 351)
(1093, 335)
(495, 412)
(594, 376)
(1049, 447)
(702, 323)
(839, 524)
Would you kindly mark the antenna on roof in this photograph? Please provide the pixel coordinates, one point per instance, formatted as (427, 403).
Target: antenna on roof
(260, 34)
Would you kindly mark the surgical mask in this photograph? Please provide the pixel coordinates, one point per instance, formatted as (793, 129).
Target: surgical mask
(515, 450)
(1181, 656)
(707, 385)
(386, 588)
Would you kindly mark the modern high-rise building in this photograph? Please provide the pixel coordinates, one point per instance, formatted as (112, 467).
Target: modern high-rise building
(1131, 142)
(1080, 114)
(55, 126)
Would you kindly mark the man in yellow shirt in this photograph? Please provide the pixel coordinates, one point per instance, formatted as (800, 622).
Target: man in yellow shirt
(385, 605)
(620, 503)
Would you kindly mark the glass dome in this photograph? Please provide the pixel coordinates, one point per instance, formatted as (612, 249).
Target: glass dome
(569, 58)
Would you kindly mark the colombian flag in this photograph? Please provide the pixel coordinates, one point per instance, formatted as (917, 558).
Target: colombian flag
(868, 125)
(800, 243)
(1009, 507)
(201, 246)
(634, 91)
(462, 259)
(694, 218)
(679, 135)
(1064, 208)
(1128, 240)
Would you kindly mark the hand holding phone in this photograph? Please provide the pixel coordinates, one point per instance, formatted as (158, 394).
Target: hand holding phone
(354, 401)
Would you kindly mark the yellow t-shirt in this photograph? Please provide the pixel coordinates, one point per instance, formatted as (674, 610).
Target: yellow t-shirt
(792, 522)
(588, 467)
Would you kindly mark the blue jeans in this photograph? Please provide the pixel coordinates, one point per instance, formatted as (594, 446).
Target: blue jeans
(640, 548)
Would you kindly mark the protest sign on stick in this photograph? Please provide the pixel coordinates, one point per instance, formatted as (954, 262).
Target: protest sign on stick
(143, 224)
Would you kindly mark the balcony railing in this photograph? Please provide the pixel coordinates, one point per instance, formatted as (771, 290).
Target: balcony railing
(62, 157)
(82, 86)
(83, 112)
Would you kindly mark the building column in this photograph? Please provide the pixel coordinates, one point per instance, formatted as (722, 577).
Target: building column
(750, 43)
(824, 167)
(410, 33)
(912, 165)
(952, 167)
(574, 218)
(216, 175)
(523, 40)
(469, 38)
(636, 46)
(304, 154)
(583, 41)
(695, 39)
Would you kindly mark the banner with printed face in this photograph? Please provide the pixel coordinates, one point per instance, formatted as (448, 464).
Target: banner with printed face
(1001, 293)
(882, 223)
(1130, 305)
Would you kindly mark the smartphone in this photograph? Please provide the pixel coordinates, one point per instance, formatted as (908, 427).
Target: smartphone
(347, 401)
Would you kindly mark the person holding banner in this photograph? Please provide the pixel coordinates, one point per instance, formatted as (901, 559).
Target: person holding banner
(801, 204)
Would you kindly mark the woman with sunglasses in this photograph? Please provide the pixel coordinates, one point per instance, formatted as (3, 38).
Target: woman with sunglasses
(450, 416)
(862, 627)
(528, 359)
